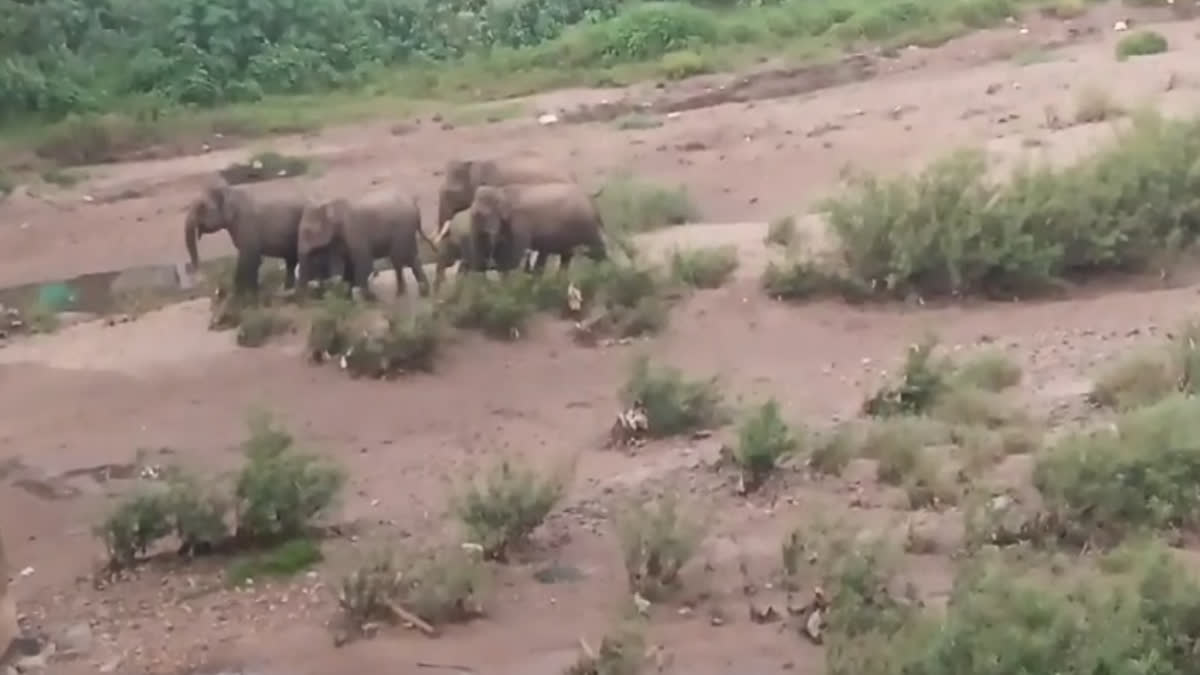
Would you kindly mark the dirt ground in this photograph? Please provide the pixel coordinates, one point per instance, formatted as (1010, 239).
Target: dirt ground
(91, 397)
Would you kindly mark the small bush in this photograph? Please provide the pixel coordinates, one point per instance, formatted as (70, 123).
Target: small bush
(136, 524)
(796, 280)
(332, 327)
(1151, 374)
(629, 205)
(280, 491)
(1094, 105)
(285, 560)
(991, 370)
(863, 614)
(257, 325)
(407, 342)
(621, 653)
(499, 309)
(82, 140)
(973, 407)
(264, 166)
(673, 403)
(198, 512)
(782, 232)
(622, 300)
(764, 439)
(922, 380)
(501, 514)
(1142, 474)
(683, 64)
(60, 177)
(657, 540)
(708, 267)
(439, 587)
(1141, 43)
(833, 450)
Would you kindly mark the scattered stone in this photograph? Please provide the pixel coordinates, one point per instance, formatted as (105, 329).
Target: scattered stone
(547, 119)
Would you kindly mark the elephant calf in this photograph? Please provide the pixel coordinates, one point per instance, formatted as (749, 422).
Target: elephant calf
(464, 176)
(548, 219)
(257, 227)
(382, 224)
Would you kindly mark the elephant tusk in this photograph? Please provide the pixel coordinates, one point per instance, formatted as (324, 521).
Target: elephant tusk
(441, 233)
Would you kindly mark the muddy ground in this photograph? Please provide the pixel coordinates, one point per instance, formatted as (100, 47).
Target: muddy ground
(80, 406)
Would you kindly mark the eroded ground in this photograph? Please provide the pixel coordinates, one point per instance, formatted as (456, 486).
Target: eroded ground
(93, 396)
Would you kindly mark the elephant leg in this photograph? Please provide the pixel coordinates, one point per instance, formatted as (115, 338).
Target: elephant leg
(289, 273)
(564, 260)
(245, 276)
(418, 270)
(540, 266)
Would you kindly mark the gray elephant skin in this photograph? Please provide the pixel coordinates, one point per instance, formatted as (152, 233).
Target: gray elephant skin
(258, 228)
(547, 218)
(463, 177)
(381, 224)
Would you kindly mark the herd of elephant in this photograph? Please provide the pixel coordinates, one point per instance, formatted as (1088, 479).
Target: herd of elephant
(492, 214)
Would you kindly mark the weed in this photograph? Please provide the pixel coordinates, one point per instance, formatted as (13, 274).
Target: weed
(673, 403)
(284, 560)
(764, 439)
(863, 613)
(683, 64)
(366, 594)
(621, 652)
(280, 491)
(991, 370)
(1108, 482)
(331, 330)
(257, 325)
(629, 205)
(198, 512)
(60, 177)
(708, 267)
(796, 280)
(403, 343)
(638, 121)
(781, 232)
(512, 502)
(1140, 43)
(80, 140)
(1094, 105)
(264, 166)
(136, 524)
(833, 450)
(657, 540)
(973, 407)
(1151, 374)
(498, 309)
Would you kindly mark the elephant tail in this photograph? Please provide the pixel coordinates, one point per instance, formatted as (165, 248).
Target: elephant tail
(191, 232)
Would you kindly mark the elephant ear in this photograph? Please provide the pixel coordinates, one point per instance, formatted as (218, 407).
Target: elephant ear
(223, 201)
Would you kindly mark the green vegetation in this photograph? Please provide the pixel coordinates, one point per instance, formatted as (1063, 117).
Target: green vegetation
(951, 231)
(257, 325)
(1151, 374)
(706, 267)
(657, 541)
(284, 560)
(629, 205)
(1093, 105)
(782, 232)
(512, 502)
(264, 166)
(764, 439)
(621, 652)
(673, 403)
(1141, 43)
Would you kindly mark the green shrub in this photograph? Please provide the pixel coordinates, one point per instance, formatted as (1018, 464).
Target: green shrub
(1140, 43)
(1105, 483)
(683, 64)
(1094, 105)
(764, 439)
(331, 329)
(264, 166)
(499, 309)
(629, 205)
(1151, 374)
(922, 381)
(408, 342)
(673, 403)
(257, 325)
(505, 510)
(708, 267)
(136, 524)
(622, 300)
(990, 370)
(782, 232)
(796, 280)
(1002, 618)
(198, 511)
(280, 491)
(657, 541)
(951, 231)
(622, 652)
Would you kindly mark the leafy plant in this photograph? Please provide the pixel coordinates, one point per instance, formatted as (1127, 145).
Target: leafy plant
(673, 403)
(504, 511)
(763, 440)
(657, 540)
(708, 267)
(1141, 43)
(629, 205)
(136, 524)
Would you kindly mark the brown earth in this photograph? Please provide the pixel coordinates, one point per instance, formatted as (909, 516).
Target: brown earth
(80, 405)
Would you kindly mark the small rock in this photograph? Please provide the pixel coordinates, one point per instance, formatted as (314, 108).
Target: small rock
(547, 119)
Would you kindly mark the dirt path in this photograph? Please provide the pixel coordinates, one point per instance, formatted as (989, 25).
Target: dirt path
(89, 402)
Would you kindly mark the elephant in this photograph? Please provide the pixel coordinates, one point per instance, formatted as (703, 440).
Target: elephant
(258, 227)
(547, 218)
(463, 177)
(9, 629)
(381, 224)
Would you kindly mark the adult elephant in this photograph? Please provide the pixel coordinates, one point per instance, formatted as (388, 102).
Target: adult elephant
(381, 224)
(464, 176)
(546, 218)
(258, 227)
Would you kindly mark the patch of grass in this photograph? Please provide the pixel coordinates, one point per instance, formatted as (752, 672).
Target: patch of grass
(1141, 43)
(974, 407)
(1151, 374)
(511, 503)
(484, 114)
(763, 440)
(1032, 56)
(499, 309)
(1108, 482)
(952, 230)
(990, 370)
(922, 381)
(1093, 105)
(331, 330)
(61, 177)
(284, 560)
(1134, 603)
(263, 166)
(40, 319)
(707, 267)
(198, 511)
(281, 490)
(630, 205)
(7, 184)
(674, 404)
(638, 121)
(620, 300)
(798, 279)
(621, 652)
(833, 450)
(782, 232)
(1066, 9)
(96, 139)
(657, 541)
(257, 325)
(440, 586)
(684, 64)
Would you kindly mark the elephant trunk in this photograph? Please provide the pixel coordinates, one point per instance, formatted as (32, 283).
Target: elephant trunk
(191, 233)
